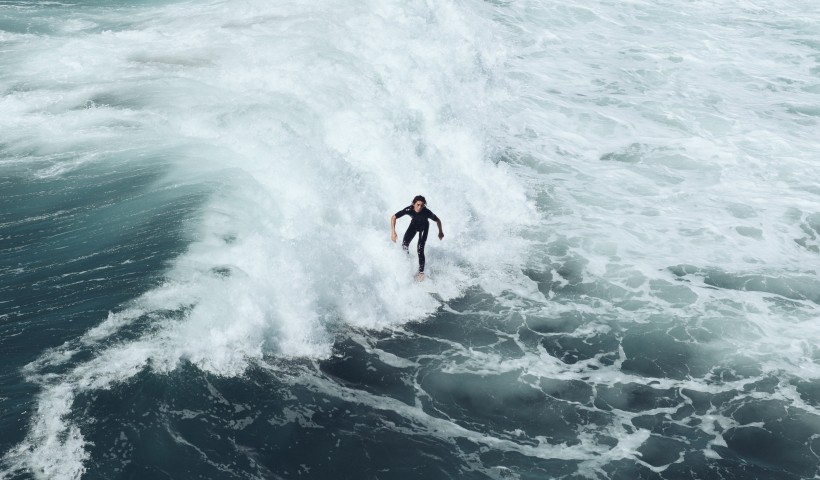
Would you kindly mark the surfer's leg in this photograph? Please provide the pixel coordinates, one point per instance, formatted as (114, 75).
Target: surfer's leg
(420, 247)
(408, 236)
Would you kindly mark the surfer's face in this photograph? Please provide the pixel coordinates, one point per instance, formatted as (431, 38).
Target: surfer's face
(418, 206)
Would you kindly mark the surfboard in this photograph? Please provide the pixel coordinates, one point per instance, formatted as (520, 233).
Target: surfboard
(427, 284)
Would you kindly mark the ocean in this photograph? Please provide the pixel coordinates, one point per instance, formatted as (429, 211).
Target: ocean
(197, 278)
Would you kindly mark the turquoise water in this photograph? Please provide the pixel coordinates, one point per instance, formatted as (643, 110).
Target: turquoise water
(197, 278)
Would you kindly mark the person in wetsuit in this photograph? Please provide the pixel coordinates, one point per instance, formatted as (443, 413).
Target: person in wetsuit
(420, 218)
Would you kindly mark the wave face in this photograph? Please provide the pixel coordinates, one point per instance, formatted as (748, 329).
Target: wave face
(197, 279)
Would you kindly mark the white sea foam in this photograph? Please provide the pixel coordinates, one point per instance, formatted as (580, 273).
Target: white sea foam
(602, 144)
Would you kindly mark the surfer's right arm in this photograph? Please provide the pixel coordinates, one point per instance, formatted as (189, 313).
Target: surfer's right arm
(393, 235)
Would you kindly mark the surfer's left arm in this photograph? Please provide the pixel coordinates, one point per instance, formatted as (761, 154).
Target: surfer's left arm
(440, 231)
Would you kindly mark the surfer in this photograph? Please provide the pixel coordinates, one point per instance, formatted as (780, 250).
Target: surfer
(420, 218)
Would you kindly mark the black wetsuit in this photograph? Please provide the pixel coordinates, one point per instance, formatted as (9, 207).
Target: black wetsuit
(419, 222)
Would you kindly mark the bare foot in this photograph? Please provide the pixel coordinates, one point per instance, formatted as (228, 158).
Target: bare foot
(419, 277)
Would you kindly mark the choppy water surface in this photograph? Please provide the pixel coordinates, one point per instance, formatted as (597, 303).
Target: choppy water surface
(196, 277)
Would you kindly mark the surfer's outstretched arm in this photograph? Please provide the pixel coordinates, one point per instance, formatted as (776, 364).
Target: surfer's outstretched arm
(440, 231)
(393, 235)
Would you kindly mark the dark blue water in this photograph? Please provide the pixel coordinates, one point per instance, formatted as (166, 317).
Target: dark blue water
(74, 248)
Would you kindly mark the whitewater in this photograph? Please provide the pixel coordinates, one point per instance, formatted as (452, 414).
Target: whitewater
(196, 272)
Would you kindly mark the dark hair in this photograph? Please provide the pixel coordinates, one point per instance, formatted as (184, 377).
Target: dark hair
(417, 198)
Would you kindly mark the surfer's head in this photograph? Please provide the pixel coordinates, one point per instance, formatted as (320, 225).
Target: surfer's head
(418, 203)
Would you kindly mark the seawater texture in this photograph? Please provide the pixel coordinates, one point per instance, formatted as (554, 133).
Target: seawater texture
(197, 281)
